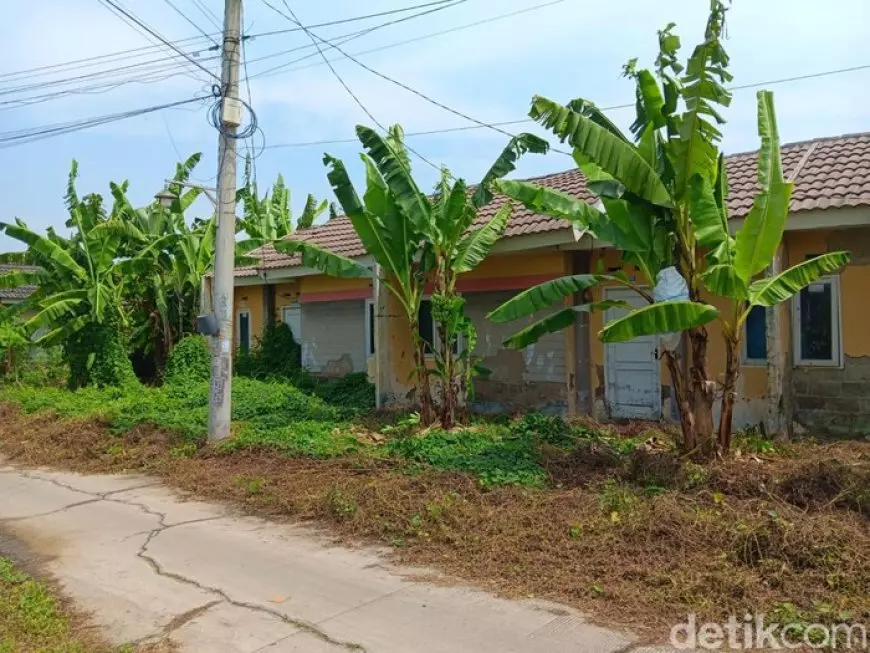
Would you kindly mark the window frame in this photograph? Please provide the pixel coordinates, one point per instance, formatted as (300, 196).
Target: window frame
(284, 307)
(370, 328)
(836, 326)
(436, 337)
(745, 360)
(246, 312)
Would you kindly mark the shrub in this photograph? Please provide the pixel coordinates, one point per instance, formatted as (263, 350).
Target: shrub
(493, 456)
(189, 361)
(353, 391)
(97, 355)
(276, 355)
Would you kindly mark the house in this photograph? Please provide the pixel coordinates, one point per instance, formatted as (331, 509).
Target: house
(10, 296)
(822, 339)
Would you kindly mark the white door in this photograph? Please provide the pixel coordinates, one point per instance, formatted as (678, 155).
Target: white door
(292, 317)
(632, 372)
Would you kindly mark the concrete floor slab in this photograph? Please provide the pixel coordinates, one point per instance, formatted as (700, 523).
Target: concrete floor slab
(19, 501)
(94, 483)
(315, 582)
(226, 628)
(175, 509)
(93, 553)
(148, 565)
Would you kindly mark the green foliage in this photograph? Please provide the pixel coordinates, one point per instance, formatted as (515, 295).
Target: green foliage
(303, 438)
(97, 355)
(415, 238)
(542, 428)
(32, 618)
(190, 360)
(353, 392)
(662, 317)
(495, 456)
(276, 355)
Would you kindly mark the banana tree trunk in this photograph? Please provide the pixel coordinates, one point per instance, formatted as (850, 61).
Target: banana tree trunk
(449, 388)
(687, 414)
(424, 391)
(729, 393)
(703, 393)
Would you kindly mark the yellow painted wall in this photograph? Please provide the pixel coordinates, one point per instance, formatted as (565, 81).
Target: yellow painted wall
(520, 264)
(250, 298)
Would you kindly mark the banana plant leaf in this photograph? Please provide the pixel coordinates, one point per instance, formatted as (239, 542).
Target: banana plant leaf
(711, 226)
(556, 322)
(761, 234)
(506, 163)
(319, 258)
(392, 162)
(662, 317)
(545, 295)
(772, 291)
(479, 242)
(721, 279)
(612, 154)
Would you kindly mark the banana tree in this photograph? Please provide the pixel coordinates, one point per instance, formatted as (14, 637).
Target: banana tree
(663, 197)
(416, 239)
(269, 219)
(734, 264)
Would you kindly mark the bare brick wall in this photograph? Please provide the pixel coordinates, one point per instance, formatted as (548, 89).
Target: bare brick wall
(833, 401)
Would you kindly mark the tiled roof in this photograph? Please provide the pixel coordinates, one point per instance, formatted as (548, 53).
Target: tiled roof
(15, 294)
(828, 173)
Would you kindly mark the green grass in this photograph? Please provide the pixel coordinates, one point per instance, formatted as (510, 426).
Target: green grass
(33, 619)
(279, 417)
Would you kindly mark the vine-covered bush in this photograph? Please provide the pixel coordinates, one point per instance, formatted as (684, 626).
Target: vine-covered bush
(190, 360)
(277, 355)
(97, 355)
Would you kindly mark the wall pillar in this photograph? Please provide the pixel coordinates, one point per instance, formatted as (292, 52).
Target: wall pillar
(582, 358)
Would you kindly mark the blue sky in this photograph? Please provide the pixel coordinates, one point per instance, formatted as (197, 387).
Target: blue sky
(570, 49)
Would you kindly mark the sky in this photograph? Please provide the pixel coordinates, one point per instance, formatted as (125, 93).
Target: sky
(560, 49)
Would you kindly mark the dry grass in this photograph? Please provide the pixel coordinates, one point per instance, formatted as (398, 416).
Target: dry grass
(640, 542)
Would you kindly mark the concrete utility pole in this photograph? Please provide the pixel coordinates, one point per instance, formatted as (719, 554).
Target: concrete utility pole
(230, 118)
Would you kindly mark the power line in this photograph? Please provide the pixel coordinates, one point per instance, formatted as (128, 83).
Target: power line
(158, 36)
(140, 51)
(209, 14)
(22, 136)
(190, 21)
(157, 69)
(423, 37)
(314, 38)
(630, 105)
(345, 38)
(402, 85)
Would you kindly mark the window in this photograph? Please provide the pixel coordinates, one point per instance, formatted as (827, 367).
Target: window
(429, 329)
(292, 317)
(427, 326)
(370, 327)
(244, 330)
(755, 342)
(817, 323)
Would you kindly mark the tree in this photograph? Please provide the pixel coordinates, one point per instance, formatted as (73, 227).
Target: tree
(78, 279)
(663, 197)
(416, 239)
(269, 219)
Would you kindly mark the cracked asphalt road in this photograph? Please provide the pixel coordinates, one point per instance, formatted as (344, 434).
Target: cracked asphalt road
(149, 565)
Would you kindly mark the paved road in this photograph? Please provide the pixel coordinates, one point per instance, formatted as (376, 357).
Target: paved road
(149, 565)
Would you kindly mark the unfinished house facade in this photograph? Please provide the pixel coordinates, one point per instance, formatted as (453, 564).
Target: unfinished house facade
(818, 343)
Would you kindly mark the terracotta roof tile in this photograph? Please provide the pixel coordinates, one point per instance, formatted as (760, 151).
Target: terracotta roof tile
(828, 173)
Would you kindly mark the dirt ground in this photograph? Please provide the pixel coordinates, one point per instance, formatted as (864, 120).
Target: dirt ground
(642, 542)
